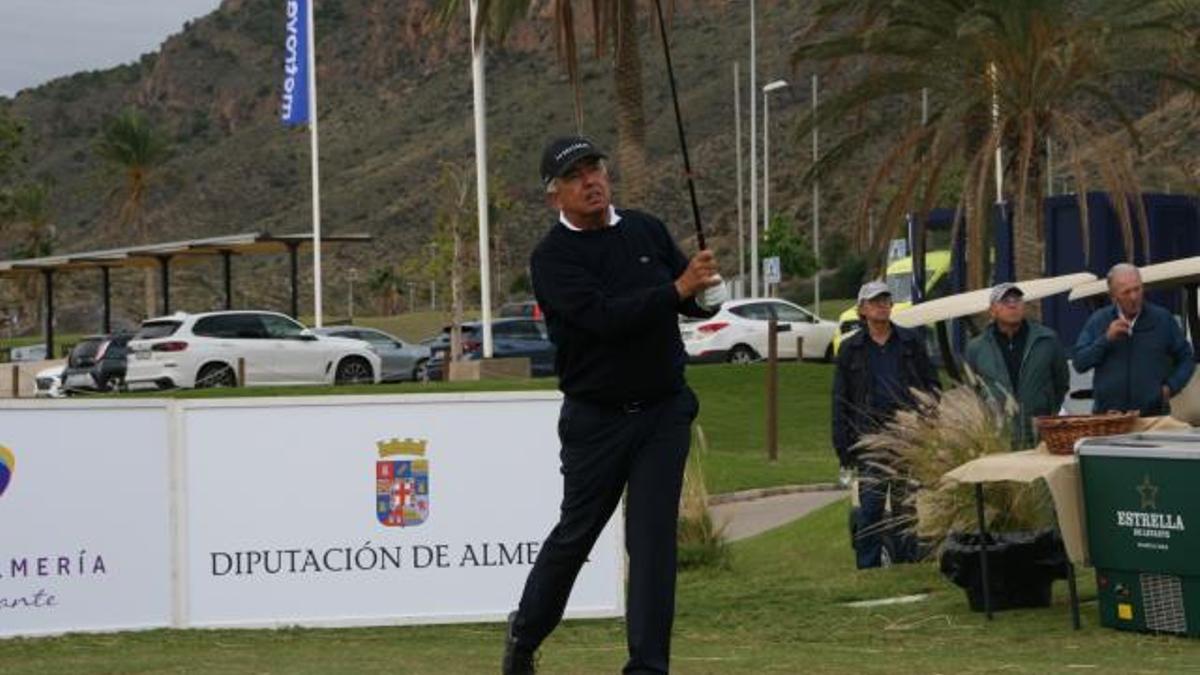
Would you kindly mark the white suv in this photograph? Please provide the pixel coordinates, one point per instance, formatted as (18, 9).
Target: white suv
(203, 350)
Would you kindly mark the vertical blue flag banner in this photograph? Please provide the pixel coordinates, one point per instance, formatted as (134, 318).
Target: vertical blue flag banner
(294, 105)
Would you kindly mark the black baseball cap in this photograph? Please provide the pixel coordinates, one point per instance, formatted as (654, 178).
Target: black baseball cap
(562, 153)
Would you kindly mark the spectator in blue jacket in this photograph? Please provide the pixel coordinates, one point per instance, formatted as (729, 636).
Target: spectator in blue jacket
(1137, 348)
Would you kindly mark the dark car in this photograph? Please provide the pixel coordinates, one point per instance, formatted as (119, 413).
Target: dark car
(96, 364)
(528, 309)
(510, 338)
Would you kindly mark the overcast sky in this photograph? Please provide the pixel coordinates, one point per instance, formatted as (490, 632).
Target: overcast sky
(44, 39)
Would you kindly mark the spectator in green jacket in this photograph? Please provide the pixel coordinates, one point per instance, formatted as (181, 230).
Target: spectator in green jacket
(1020, 358)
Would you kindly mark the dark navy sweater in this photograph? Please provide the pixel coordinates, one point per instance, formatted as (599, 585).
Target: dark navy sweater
(612, 310)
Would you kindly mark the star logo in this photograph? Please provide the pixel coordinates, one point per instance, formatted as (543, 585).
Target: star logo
(1149, 493)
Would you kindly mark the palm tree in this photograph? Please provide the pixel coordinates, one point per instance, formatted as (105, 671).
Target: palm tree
(1001, 75)
(614, 26)
(32, 235)
(129, 144)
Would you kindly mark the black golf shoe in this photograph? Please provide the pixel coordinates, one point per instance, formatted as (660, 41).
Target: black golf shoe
(517, 659)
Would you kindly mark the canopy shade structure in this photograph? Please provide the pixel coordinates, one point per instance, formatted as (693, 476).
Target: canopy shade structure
(976, 302)
(162, 256)
(1170, 274)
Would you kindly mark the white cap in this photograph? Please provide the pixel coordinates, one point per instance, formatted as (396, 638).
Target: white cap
(872, 290)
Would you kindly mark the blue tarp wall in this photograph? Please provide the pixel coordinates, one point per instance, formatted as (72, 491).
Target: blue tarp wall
(1174, 229)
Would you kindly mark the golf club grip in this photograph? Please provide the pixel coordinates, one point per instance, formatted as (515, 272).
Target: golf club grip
(687, 163)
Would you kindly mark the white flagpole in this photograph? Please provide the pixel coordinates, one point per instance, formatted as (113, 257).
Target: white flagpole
(316, 174)
(481, 188)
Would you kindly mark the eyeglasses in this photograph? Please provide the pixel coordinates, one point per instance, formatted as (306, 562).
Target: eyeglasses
(1012, 300)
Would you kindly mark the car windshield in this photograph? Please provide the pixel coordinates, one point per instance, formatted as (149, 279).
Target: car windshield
(900, 285)
(156, 329)
(85, 351)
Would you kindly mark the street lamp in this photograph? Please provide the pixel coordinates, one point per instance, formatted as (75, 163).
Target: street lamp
(753, 158)
(767, 89)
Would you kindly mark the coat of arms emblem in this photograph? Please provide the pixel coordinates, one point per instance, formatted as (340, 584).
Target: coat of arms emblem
(402, 483)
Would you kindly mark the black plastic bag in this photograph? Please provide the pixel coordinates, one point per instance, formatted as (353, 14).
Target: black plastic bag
(1022, 567)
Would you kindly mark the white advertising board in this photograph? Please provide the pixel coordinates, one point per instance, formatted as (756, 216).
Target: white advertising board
(369, 510)
(85, 529)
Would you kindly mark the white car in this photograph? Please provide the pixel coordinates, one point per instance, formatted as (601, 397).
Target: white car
(203, 350)
(738, 332)
(48, 383)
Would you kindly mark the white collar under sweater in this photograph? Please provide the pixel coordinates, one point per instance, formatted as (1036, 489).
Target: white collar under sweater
(613, 219)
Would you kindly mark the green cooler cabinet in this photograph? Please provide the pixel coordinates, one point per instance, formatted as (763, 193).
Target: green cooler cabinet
(1141, 495)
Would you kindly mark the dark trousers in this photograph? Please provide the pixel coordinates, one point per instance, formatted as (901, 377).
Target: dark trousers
(606, 449)
(873, 524)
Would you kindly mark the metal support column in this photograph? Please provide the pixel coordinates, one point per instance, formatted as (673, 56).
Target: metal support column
(227, 273)
(293, 254)
(48, 277)
(983, 552)
(164, 278)
(106, 289)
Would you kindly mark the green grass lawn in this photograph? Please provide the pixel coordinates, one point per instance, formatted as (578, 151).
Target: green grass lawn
(778, 609)
(733, 417)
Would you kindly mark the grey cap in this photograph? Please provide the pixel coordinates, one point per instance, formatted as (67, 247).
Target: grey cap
(872, 290)
(1001, 290)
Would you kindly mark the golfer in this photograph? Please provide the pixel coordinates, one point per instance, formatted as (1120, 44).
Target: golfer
(612, 283)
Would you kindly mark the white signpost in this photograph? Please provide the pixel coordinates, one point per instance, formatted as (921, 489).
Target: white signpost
(370, 510)
(322, 511)
(85, 530)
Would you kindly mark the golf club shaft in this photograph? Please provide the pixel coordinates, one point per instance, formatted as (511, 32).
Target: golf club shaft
(687, 164)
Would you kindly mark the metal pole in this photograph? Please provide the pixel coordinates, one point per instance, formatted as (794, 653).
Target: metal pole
(293, 250)
(227, 275)
(106, 290)
(737, 116)
(983, 554)
(772, 390)
(164, 271)
(816, 206)
(995, 76)
(16, 381)
(481, 185)
(48, 278)
(353, 276)
(754, 289)
(1074, 592)
(766, 190)
(316, 174)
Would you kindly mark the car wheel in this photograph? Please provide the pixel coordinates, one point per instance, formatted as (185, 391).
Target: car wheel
(216, 375)
(421, 371)
(829, 353)
(353, 370)
(741, 354)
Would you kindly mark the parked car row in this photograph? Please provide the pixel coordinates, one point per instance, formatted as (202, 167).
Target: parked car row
(253, 348)
(511, 337)
(738, 332)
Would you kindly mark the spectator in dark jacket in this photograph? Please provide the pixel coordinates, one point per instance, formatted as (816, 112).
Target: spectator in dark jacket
(1020, 358)
(877, 369)
(1138, 350)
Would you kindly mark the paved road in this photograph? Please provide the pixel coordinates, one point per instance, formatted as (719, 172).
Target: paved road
(747, 518)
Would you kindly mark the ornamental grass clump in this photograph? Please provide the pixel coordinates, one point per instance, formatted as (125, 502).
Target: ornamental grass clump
(942, 433)
(701, 541)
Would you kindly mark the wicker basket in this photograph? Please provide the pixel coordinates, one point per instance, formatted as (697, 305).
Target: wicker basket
(1060, 433)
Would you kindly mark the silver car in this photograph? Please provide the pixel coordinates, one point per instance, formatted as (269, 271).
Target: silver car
(401, 360)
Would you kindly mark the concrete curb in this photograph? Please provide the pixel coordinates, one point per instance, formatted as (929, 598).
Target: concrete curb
(760, 493)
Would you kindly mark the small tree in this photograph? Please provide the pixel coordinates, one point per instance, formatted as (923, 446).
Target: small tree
(130, 145)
